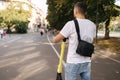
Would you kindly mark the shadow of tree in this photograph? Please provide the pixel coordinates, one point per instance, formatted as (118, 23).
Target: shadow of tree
(113, 44)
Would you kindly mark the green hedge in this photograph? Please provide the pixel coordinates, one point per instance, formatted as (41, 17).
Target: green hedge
(21, 27)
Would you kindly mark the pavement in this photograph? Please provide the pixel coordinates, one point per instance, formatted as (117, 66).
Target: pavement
(112, 34)
(34, 57)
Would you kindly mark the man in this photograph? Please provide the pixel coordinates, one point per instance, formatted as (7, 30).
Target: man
(41, 32)
(1, 33)
(76, 64)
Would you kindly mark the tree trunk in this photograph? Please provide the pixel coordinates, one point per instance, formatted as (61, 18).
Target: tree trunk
(96, 39)
(107, 29)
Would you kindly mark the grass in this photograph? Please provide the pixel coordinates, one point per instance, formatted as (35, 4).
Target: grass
(113, 44)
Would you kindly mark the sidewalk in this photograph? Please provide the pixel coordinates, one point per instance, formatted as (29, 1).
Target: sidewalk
(112, 34)
(105, 65)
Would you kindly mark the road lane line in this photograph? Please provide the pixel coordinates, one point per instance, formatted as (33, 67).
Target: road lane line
(10, 41)
(55, 50)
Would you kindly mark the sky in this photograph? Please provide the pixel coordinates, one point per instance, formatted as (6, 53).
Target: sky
(117, 2)
(41, 4)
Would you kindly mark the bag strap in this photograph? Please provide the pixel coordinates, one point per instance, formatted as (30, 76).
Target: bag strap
(77, 29)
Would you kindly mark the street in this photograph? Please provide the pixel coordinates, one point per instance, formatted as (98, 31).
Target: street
(34, 57)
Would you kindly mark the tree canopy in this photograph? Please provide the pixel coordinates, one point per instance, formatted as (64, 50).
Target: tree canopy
(14, 15)
(102, 11)
(61, 11)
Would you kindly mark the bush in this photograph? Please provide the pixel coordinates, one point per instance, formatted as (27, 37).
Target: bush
(21, 27)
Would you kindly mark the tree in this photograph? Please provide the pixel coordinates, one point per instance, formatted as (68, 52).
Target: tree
(59, 12)
(52, 13)
(104, 11)
(114, 23)
(15, 16)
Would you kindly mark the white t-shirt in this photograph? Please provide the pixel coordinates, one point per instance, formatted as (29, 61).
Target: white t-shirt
(87, 33)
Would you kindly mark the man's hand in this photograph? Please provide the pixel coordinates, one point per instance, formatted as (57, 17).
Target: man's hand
(58, 38)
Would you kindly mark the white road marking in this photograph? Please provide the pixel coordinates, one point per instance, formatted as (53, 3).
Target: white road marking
(109, 58)
(10, 41)
(55, 50)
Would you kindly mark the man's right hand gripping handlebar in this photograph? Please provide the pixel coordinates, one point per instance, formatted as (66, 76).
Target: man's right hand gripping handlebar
(64, 40)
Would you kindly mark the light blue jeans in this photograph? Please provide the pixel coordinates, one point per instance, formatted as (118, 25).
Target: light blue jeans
(73, 70)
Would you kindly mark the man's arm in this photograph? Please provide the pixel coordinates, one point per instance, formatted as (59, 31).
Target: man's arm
(58, 38)
(64, 33)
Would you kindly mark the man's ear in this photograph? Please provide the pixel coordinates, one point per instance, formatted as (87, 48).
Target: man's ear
(76, 11)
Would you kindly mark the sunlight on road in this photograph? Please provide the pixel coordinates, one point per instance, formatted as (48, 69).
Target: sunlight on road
(105, 54)
(15, 52)
(31, 70)
(16, 60)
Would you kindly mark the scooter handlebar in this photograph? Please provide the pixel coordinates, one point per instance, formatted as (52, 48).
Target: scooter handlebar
(64, 40)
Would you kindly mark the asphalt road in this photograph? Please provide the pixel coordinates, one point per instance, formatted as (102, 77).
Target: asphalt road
(31, 57)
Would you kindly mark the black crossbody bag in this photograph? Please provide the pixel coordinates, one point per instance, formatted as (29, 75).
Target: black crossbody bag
(84, 48)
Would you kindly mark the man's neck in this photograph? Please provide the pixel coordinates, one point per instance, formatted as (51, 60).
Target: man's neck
(80, 16)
